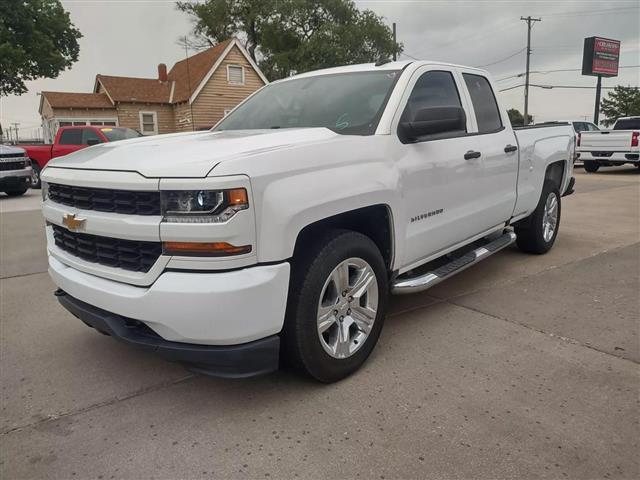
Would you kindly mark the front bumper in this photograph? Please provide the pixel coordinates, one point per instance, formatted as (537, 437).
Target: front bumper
(205, 308)
(15, 178)
(229, 361)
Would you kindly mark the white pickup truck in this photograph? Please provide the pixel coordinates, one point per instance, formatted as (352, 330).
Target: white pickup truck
(16, 173)
(606, 148)
(279, 234)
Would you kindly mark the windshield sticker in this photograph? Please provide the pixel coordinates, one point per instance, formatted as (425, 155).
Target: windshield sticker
(343, 121)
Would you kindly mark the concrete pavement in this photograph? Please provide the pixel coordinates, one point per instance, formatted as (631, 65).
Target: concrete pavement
(520, 367)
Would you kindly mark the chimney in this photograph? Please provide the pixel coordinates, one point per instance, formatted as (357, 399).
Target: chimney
(162, 72)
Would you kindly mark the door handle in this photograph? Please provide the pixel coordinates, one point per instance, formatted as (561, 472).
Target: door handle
(471, 154)
(510, 148)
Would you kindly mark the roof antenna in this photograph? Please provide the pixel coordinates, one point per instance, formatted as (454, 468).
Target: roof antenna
(382, 60)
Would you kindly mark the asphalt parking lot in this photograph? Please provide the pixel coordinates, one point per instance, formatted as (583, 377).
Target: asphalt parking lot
(520, 367)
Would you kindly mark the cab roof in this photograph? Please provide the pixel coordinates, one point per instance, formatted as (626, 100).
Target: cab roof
(372, 67)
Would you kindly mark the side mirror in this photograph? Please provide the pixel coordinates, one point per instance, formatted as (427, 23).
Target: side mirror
(433, 121)
(93, 141)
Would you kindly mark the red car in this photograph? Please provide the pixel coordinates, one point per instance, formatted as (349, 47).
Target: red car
(70, 139)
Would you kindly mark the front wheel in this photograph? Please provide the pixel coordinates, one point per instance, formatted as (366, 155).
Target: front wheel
(591, 166)
(538, 232)
(16, 193)
(337, 303)
(35, 175)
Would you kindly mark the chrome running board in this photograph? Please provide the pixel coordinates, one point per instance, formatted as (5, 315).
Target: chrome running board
(427, 280)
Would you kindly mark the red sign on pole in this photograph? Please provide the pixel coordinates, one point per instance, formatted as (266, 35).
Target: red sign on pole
(600, 57)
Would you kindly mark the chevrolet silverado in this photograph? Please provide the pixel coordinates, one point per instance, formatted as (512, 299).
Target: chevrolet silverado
(15, 171)
(278, 235)
(606, 148)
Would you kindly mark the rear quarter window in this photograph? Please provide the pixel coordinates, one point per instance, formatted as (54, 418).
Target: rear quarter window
(627, 124)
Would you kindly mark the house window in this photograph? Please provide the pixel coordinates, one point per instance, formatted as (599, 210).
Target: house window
(148, 123)
(235, 74)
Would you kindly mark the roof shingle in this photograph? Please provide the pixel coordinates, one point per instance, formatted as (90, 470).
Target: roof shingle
(129, 89)
(77, 100)
(198, 67)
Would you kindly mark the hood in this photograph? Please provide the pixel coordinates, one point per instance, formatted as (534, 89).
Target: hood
(7, 150)
(188, 154)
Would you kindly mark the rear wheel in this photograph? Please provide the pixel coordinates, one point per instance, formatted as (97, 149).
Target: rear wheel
(591, 166)
(538, 232)
(337, 303)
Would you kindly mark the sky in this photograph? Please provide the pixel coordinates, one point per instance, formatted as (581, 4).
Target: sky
(130, 38)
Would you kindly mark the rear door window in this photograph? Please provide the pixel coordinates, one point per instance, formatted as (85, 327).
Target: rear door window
(484, 103)
(71, 136)
(627, 124)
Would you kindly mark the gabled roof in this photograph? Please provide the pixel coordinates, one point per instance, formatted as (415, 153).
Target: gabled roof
(77, 100)
(198, 66)
(184, 82)
(130, 89)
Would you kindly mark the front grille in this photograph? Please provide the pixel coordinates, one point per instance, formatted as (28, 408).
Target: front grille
(133, 255)
(20, 165)
(11, 155)
(106, 200)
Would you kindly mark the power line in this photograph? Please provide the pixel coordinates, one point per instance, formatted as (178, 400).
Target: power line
(503, 59)
(544, 72)
(591, 12)
(410, 56)
(551, 87)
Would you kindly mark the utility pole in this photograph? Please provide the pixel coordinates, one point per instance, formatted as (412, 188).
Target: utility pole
(530, 21)
(15, 129)
(394, 41)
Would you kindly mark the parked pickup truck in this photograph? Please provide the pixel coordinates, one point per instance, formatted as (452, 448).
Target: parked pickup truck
(279, 234)
(72, 139)
(15, 171)
(611, 147)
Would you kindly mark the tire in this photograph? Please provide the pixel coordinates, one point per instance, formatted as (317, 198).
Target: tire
(16, 193)
(531, 235)
(313, 288)
(591, 166)
(36, 183)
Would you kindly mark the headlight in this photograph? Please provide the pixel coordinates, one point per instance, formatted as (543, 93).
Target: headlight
(44, 189)
(202, 206)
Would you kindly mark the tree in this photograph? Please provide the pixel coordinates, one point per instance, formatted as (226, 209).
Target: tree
(37, 39)
(517, 119)
(621, 102)
(294, 36)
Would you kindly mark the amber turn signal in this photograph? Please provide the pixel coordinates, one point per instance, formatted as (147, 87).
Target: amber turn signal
(238, 196)
(205, 249)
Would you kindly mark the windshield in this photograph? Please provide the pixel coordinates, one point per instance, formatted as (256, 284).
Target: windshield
(347, 103)
(114, 134)
(627, 124)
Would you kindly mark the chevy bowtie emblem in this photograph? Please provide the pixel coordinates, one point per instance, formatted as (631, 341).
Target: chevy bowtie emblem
(73, 223)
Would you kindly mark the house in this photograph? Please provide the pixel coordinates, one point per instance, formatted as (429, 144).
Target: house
(194, 95)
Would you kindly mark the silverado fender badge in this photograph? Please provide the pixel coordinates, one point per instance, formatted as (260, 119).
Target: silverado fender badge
(73, 223)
